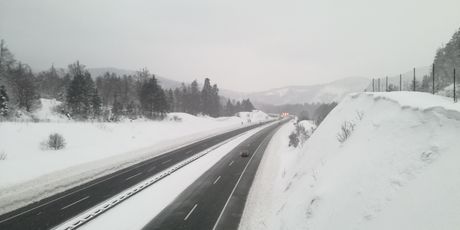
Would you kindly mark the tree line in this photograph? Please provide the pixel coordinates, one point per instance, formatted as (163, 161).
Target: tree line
(107, 97)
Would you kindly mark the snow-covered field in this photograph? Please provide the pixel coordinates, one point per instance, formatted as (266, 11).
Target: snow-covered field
(93, 149)
(398, 169)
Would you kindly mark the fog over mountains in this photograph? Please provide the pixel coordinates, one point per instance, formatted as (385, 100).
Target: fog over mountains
(323, 93)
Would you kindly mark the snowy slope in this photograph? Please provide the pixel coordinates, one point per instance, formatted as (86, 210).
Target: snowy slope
(93, 149)
(324, 93)
(397, 170)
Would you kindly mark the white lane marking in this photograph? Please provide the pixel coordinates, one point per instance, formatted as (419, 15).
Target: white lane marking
(164, 162)
(186, 217)
(218, 178)
(59, 198)
(151, 169)
(115, 174)
(133, 176)
(78, 201)
(189, 151)
(237, 182)
(230, 163)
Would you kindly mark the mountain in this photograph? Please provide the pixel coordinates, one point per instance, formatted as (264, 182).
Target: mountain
(166, 83)
(323, 93)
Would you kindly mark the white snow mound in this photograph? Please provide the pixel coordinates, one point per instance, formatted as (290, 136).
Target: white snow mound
(399, 169)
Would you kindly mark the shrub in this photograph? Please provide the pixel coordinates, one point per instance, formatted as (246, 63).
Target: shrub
(176, 118)
(55, 141)
(2, 155)
(294, 140)
(345, 131)
(299, 135)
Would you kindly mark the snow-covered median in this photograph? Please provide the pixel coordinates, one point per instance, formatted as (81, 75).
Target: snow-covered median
(30, 173)
(398, 169)
(151, 201)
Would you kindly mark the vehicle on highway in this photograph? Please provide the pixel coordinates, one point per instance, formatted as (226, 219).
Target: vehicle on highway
(244, 153)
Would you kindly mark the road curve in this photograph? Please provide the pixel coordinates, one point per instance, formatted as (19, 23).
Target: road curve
(58, 208)
(216, 200)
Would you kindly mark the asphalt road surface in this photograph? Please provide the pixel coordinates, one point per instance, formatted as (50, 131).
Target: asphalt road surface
(58, 208)
(216, 200)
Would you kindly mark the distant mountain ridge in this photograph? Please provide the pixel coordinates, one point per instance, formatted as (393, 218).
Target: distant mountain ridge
(164, 82)
(321, 93)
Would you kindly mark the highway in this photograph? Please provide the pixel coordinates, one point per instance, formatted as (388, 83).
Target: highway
(216, 200)
(58, 208)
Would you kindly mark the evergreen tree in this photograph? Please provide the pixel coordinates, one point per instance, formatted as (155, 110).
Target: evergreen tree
(117, 109)
(215, 102)
(24, 87)
(170, 100)
(178, 101)
(247, 105)
(194, 98)
(96, 104)
(229, 108)
(82, 98)
(152, 98)
(3, 101)
(6, 58)
(51, 85)
(207, 98)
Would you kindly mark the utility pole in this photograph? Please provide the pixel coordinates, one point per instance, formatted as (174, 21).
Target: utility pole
(386, 84)
(455, 96)
(433, 78)
(373, 85)
(414, 79)
(400, 82)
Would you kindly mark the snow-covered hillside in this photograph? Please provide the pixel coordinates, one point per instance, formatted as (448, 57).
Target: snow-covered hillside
(93, 149)
(324, 93)
(398, 169)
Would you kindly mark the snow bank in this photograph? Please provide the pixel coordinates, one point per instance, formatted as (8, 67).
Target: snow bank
(397, 170)
(254, 116)
(93, 149)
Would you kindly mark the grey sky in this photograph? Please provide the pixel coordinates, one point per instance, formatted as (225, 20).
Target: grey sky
(240, 44)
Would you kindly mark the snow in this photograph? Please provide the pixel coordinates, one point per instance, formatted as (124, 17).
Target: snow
(30, 173)
(149, 202)
(324, 93)
(397, 170)
(254, 116)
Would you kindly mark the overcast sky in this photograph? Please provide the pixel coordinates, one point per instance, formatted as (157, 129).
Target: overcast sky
(240, 44)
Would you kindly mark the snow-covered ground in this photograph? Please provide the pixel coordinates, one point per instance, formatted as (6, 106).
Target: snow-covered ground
(397, 170)
(93, 149)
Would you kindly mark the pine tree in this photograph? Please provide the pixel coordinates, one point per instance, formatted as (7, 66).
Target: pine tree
(82, 97)
(3, 101)
(215, 108)
(229, 108)
(152, 99)
(24, 87)
(194, 99)
(247, 106)
(117, 109)
(206, 98)
(170, 100)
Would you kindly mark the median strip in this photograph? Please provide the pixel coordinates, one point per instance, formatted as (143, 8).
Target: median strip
(91, 213)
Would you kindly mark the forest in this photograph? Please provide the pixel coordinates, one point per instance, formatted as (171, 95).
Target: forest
(108, 97)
